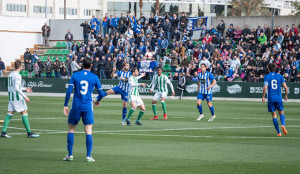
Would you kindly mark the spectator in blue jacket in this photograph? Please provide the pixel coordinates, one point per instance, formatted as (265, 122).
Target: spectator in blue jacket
(105, 23)
(95, 27)
(228, 73)
(212, 31)
(142, 48)
(111, 48)
(94, 20)
(164, 44)
(115, 21)
(138, 28)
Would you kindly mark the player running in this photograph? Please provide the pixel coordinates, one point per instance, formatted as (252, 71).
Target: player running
(17, 101)
(134, 96)
(160, 80)
(272, 84)
(122, 88)
(83, 83)
(205, 82)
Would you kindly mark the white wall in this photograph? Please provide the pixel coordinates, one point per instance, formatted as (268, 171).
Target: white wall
(14, 44)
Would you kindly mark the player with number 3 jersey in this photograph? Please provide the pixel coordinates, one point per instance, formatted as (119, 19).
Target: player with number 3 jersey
(84, 82)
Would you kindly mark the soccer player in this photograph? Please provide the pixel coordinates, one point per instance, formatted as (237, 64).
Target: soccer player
(205, 82)
(17, 101)
(134, 96)
(160, 80)
(83, 83)
(122, 88)
(272, 84)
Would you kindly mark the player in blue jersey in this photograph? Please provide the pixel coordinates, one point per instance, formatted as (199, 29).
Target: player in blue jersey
(122, 88)
(272, 85)
(205, 82)
(83, 83)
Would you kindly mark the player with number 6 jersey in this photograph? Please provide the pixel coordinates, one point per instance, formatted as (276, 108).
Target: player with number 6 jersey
(272, 85)
(84, 82)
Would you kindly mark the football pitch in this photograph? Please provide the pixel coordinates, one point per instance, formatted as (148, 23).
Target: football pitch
(242, 139)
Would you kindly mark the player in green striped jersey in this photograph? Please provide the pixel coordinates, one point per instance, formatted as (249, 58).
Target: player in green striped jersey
(161, 81)
(17, 101)
(134, 96)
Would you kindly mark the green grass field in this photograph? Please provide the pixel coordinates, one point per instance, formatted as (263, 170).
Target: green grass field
(241, 140)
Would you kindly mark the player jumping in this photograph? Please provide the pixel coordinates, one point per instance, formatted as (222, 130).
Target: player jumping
(83, 83)
(205, 82)
(272, 84)
(161, 81)
(122, 88)
(134, 96)
(17, 101)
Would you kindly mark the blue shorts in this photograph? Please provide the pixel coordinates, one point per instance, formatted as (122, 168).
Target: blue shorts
(87, 117)
(272, 106)
(124, 94)
(208, 97)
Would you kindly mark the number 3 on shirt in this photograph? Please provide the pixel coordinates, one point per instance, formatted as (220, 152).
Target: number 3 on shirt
(84, 87)
(274, 84)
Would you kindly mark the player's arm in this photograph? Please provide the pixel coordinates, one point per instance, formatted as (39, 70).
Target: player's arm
(211, 77)
(68, 95)
(264, 90)
(19, 89)
(153, 84)
(171, 85)
(285, 90)
(141, 76)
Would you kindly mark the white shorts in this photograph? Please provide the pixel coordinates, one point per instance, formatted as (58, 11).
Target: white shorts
(158, 95)
(137, 99)
(18, 106)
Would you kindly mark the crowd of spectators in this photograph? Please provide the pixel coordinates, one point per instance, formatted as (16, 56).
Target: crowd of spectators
(230, 53)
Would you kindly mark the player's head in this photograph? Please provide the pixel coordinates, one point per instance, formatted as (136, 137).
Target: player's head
(126, 66)
(159, 71)
(272, 67)
(203, 67)
(134, 71)
(18, 64)
(87, 63)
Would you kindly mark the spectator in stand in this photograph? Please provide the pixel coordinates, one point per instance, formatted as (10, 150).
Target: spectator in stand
(63, 71)
(2, 67)
(80, 55)
(190, 33)
(219, 72)
(174, 60)
(41, 68)
(267, 32)
(105, 24)
(228, 73)
(235, 63)
(236, 73)
(221, 28)
(56, 68)
(36, 70)
(237, 34)
(69, 39)
(109, 67)
(86, 31)
(205, 61)
(34, 58)
(246, 31)
(74, 65)
(230, 31)
(29, 69)
(46, 33)
(293, 73)
(262, 38)
(93, 20)
(115, 21)
(27, 56)
(102, 64)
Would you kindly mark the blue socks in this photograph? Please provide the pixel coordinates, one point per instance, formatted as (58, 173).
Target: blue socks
(89, 145)
(124, 113)
(212, 110)
(199, 108)
(282, 119)
(70, 142)
(275, 122)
